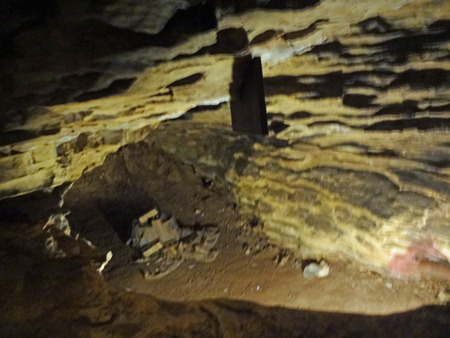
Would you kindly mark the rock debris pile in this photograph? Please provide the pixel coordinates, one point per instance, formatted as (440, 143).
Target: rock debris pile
(164, 244)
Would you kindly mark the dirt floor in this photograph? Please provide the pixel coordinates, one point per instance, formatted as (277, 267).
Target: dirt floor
(104, 202)
(252, 288)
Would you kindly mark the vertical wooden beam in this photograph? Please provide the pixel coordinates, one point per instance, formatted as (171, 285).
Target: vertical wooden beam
(248, 106)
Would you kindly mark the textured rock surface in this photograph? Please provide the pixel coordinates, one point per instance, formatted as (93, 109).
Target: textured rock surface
(69, 139)
(322, 203)
(357, 94)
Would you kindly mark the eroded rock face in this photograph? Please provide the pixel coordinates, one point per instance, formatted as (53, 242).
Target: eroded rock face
(357, 94)
(70, 139)
(326, 203)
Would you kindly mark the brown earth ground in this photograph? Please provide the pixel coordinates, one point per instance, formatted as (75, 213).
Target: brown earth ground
(61, 297)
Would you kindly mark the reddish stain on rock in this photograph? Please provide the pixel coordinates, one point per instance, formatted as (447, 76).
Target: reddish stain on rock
(421, 259)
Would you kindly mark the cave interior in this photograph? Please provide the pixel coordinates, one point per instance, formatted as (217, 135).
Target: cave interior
(224, 168)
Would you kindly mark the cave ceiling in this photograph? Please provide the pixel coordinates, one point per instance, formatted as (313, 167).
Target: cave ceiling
(357, 92)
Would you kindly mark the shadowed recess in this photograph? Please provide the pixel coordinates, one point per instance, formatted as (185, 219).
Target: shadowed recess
(425, 179)
(239, 6)
(191, 79)
(228, 41)
(334, 47)
(328, 85)
(263, 37)
(303, 32)
(277, 126)
(330, 123)
(16, 136)
(298, 115)
(116, 87)
(375, 25)
(400, 48)
(427, 123)
(408, 107)
(358, 100)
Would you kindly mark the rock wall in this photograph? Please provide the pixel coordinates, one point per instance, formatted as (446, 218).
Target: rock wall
(357, 94)
(384, 212)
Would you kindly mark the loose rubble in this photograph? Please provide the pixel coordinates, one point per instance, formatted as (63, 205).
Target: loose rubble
(61, 242)
(164, 245)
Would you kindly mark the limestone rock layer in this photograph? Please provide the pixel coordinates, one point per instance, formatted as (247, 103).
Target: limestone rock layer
(389, 213)
(357, 94)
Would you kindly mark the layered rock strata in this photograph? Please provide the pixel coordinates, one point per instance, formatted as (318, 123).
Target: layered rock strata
(387, 213)
(357, 94)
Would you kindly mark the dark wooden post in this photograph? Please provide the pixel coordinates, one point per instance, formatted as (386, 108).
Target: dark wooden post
(248, 105)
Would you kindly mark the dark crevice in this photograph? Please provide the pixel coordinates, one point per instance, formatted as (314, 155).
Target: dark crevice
(427, 123)
(93, 38)
(278, 127)
(299, 115)
(438, 162)
(189, 80)
(275, 116)
(116, 87)
(331, 122)
(337, 83)
(424, 179)
(240, 6)
(334, 47)
(80, 82)
(328, 85)
(408, 108)
(202, 108)
(375, 25)
(263, 37)
(16, 136)
(445, 107)
(228, 41)
(422, 79)
(193, 20)
(50, 131)
(303, 32)
(365, 149)
(358, 100)
(383, 153)
(400, 48)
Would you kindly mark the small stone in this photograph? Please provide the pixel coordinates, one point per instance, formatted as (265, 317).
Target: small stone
(186, 232)
(389, 285)
(320, 270)
(248, 252)
(311, 270)
(324, 270)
